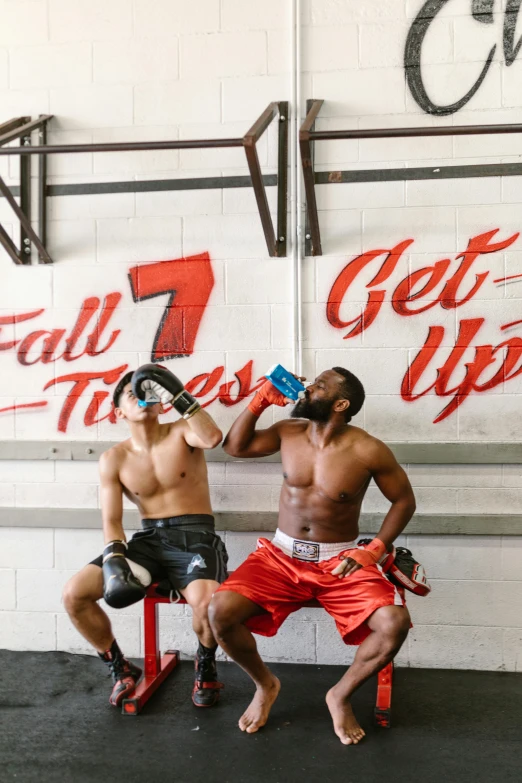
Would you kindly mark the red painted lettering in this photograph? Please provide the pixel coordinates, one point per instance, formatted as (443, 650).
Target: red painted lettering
(405, 292)
(485, 356)
(91, 414)
(87, 310)
(375, 298)
(402, 294)
(81, 381)
(109, 306)
(245, 389)
(188, 282)
(208, 381)
(9, 320)
(476, 246)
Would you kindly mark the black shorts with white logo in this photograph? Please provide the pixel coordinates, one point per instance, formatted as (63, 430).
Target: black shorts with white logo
(178, 550)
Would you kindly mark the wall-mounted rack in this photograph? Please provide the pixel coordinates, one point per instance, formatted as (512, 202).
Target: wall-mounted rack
(308, 136)
(22, 128)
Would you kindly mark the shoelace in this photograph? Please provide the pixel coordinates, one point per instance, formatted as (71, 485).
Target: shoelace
(206, 667)
(119, 669)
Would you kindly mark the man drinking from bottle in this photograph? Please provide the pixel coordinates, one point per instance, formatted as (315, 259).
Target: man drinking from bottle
(162, 469)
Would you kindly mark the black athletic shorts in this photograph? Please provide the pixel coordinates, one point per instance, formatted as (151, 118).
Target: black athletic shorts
(178, 550)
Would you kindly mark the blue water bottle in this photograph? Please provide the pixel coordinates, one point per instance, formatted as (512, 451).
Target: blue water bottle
(285, 382)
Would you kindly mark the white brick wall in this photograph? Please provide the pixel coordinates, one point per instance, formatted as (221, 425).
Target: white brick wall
(102, 106)
(145, 60)
(230, 53)
(35, 28)
(120, 70)
(59, 65)
(167, 17)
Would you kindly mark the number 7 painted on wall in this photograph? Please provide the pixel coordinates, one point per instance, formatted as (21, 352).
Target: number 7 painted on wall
(189, 281)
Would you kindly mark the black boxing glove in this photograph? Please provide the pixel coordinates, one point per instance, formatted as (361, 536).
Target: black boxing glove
(152, 382)
(121, 587)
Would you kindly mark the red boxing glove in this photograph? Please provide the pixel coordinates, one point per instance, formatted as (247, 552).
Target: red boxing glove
(403, 570)
(369, 555)
(264, 397)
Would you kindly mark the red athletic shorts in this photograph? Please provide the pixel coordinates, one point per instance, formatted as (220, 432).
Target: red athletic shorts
(281, 585)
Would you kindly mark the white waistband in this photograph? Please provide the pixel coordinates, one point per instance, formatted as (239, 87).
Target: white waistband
(310, 551)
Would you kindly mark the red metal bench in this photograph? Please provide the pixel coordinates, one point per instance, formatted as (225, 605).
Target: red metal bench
(158, 667)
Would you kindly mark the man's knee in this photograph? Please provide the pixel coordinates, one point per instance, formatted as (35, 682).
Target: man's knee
(200, 607)
(198, 596)
(220, 614)
(81, 591)
(72, 596)
(393, 625)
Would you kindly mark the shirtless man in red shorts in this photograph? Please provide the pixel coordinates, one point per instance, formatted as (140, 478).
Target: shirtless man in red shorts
(327, 467)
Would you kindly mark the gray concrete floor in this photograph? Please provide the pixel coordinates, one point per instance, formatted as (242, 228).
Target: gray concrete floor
(448, 727)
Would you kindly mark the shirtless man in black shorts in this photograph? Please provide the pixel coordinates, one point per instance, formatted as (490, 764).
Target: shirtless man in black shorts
(162, 469)
(327, 467)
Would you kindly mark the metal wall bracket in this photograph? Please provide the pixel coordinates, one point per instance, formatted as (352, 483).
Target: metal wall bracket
(21, 128)
(306, 145)
(276, 245)
(308, 135)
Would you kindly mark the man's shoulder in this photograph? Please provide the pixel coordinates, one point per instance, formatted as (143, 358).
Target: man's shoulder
(173, 431)
(112, 458)
(367, 447)
(173, 427)
(173, 438)
(291, 426)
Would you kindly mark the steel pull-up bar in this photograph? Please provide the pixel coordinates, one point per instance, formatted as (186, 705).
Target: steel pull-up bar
(22, 127)
(124, 146)
(307, 137)
(393, 133)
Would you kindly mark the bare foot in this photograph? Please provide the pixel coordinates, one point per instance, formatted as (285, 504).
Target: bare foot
(256, 714)
(345, 724)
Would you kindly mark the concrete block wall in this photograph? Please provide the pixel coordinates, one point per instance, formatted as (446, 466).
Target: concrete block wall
(471, 620)
(474, 607)
(164, 69)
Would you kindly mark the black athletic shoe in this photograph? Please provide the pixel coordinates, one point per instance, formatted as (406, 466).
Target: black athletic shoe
(206, 685)
(125, 675)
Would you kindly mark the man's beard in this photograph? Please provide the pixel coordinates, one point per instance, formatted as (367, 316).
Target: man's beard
(315, 411)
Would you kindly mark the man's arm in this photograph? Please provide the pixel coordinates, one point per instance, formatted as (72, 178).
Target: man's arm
(244, 441)
(202, 432)
(123, 585)
(111, 497)
(395, 486)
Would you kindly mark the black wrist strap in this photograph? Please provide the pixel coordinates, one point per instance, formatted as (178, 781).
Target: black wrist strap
(186, 404)
(114, 549)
